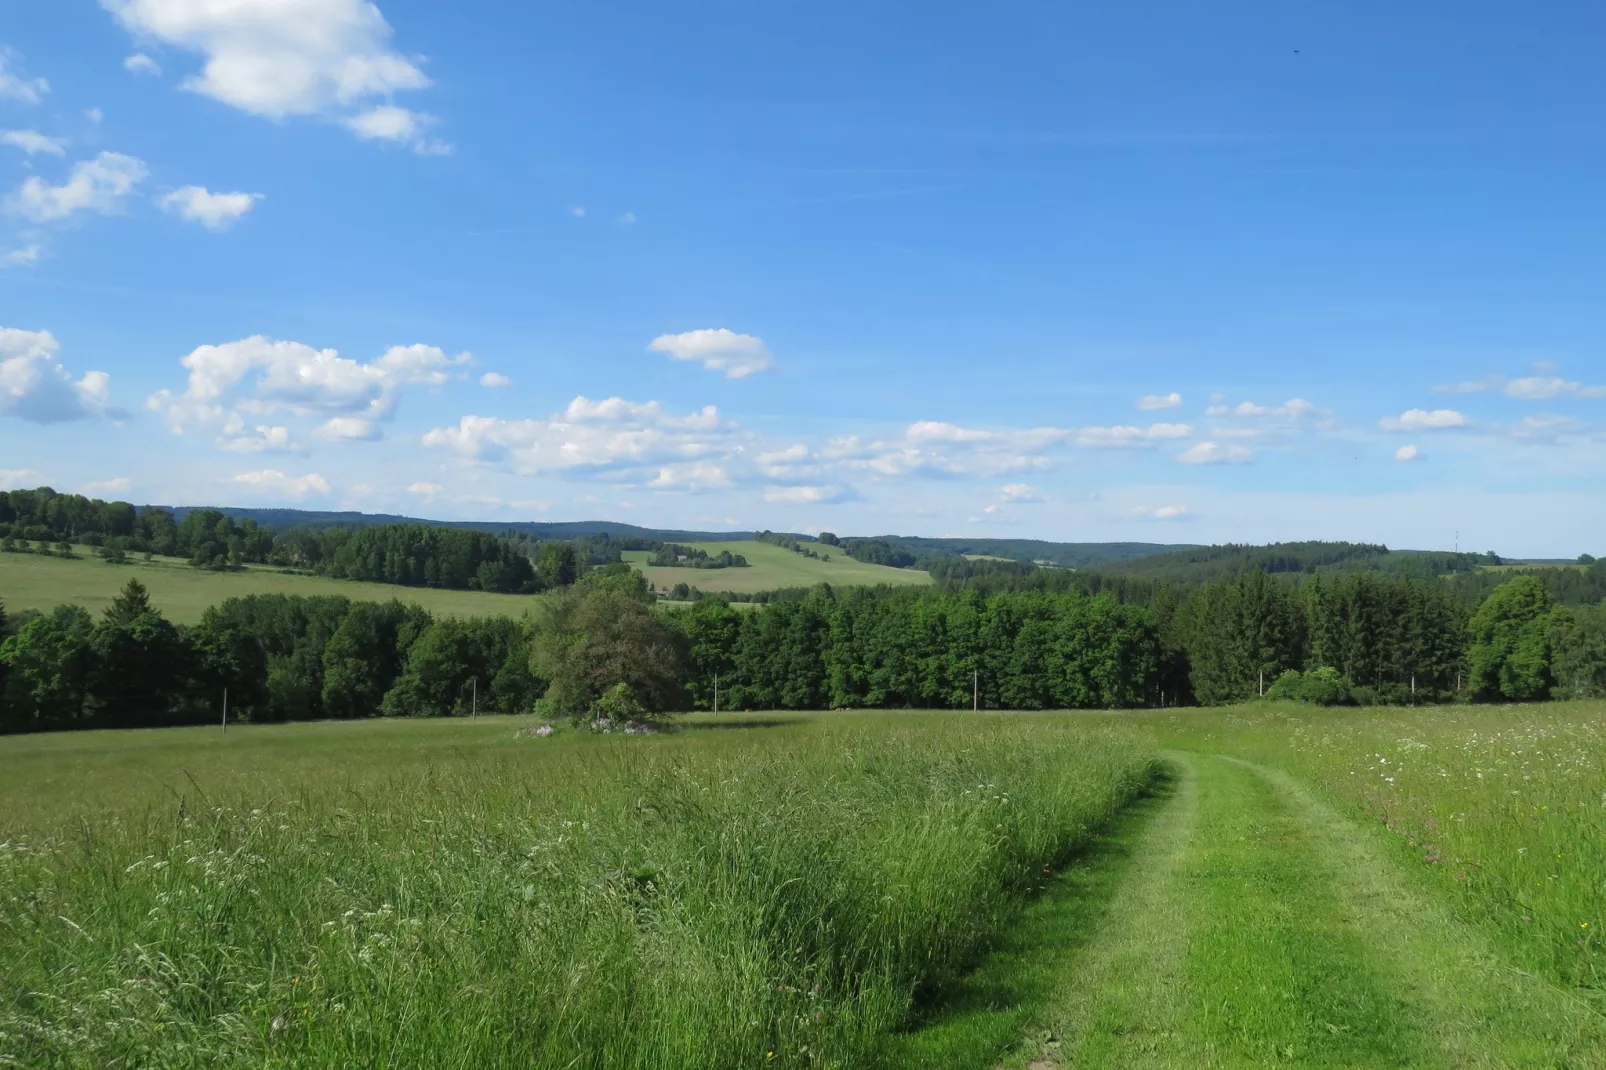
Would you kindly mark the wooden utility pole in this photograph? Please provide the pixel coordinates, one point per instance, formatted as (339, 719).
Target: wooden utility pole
(975, 690)
(716, 692)
(225, 711)
(474, 697)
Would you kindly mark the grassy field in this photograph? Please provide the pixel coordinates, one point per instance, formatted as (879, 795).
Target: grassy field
(31, 581)
(1344, 888)
(450, 894)
(773, 567)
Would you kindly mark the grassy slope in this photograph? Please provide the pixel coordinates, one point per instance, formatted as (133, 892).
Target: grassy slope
(30, 581)
(772, 567)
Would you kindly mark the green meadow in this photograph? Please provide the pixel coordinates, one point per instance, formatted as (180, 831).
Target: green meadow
(1251, 886)
(772, 567)
(183, 593)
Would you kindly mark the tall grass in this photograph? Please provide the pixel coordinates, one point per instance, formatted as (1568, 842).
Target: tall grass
(1502, 809)
(723, 898)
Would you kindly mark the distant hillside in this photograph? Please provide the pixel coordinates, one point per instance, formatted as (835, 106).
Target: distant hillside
(281, 519)
(1201, 563)
(1061, 554)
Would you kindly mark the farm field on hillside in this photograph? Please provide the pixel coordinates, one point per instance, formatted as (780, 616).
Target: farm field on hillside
(182, 593)
(450, 893)
(772, 567)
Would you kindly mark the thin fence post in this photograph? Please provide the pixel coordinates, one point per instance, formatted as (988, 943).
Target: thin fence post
(225, 711)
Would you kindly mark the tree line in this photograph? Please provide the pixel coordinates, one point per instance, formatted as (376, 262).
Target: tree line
(674, 555)
(1363, 638)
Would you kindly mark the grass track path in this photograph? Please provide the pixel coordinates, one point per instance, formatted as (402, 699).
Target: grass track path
(1255, 926)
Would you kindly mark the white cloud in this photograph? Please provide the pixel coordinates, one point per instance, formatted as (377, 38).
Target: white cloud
(12, 478)
(279, 58)
(691, 476)
(1406, 453)
(94, 115)
(611, 433)
(823, 495)
(1020, 492)
(495, 380)
(35, 387)
(1547, 428)
(28, 254)
(350, 396)
(15, 87)
(425, 489)
(33, 142)
(1531, 388)
(263, 438)
(1293, 409)
(140, 63)
(717, 349)
(937, 448)
(388, 122)
(1214, 453)
(1155, 402)
(214, 211)
(97, 185)
(935, 431)
(349, 429)
(1130, 437)
(578, 211)
(1163, 512)
(628, 218)
(1423, 420)
(1543, 388)
(115, 485)
(286, 486)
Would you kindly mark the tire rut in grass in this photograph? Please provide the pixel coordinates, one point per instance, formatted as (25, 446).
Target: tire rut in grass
(1233, 950)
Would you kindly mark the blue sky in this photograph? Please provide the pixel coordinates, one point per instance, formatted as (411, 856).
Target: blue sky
(1157, 272)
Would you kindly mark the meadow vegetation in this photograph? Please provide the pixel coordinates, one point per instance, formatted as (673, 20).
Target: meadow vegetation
(456, 894)
(183, 594)
(771, 567)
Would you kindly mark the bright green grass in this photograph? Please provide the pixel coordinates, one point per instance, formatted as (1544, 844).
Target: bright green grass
(33, 581)
(773, 567)
(1501, 809)
(403, 893)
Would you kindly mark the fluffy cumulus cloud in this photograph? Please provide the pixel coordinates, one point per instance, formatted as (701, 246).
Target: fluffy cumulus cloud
(1019, 492)
(1424, 420)
(16, 87)
(632, 439)
(214, 211)
(33, 142)
(115, 485)
(937, 448)
(236, 437)
(495, 380)
(12, 478)
(140, 63)
(1162, 512)
(275, 484)
(1156, 402)
(259, 376)
(34, 386)
(1216, 453)
(1406, 453)
(1131, 437)
(281, 58)
(717, 349)
(98, 185)
(1292, 409)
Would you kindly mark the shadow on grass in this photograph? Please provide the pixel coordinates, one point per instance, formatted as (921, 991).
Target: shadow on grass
(985, 1016)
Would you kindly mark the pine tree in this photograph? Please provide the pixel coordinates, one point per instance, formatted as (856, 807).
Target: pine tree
(130, 605)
